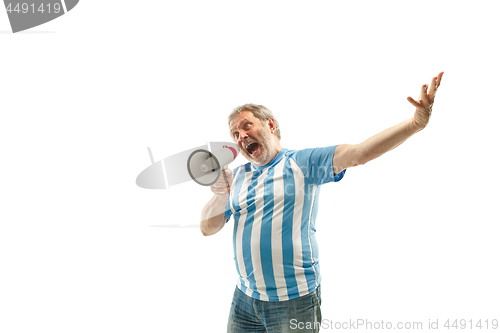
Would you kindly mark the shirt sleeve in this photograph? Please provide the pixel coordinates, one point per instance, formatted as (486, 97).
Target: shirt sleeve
(317, 165)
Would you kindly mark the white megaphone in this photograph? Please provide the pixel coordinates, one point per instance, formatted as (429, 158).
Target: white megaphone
(205, 167)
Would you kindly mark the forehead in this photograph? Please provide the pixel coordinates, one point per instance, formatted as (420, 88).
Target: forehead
(240, 118)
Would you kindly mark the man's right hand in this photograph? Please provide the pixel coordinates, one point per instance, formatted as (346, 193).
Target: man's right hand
(221, 187)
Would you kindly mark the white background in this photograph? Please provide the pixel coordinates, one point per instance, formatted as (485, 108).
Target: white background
(411, 236)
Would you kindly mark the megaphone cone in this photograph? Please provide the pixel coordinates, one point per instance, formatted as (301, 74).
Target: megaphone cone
(205, 167)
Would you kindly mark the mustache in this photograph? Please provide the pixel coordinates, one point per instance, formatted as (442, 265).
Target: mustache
(246, 142)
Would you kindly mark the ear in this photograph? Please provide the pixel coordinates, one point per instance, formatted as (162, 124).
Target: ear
(272, 125)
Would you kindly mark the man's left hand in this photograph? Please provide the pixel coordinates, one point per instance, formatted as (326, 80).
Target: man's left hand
(425, 102)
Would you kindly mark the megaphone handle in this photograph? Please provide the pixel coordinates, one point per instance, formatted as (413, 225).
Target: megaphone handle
(225, 178)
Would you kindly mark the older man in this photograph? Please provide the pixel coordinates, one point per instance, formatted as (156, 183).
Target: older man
(273, 200)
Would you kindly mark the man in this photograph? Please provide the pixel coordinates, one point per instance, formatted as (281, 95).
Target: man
(273, 202)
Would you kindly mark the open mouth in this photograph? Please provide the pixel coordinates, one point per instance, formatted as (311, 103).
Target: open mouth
(252, 147)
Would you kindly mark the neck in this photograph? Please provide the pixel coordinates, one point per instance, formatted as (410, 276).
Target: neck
(277, 146)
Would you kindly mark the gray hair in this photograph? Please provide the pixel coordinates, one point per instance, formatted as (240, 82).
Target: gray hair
(259, 111)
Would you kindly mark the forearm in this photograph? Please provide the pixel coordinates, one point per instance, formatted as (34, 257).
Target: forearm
(212, 215)
(385, 141)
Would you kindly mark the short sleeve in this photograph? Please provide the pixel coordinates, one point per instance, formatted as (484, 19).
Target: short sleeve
(317, 165)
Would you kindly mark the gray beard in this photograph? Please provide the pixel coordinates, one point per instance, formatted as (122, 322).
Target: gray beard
(268, 147)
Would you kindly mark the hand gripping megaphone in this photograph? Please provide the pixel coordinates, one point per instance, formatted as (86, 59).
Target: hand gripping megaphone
(201, 164)
(205, 167)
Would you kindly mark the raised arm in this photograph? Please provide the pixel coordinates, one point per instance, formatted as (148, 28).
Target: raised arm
(347, 156)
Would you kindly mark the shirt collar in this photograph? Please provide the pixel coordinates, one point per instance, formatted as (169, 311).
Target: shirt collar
(273, 162)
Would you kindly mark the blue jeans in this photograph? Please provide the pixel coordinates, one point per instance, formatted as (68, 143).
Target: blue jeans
(302, 314)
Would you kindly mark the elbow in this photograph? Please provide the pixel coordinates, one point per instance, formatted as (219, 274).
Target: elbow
(361, 161)
(205, 233)
(362, 155)
(208, 228)
(349, 156)
(212, 225)
(359, 157)
(204, 230)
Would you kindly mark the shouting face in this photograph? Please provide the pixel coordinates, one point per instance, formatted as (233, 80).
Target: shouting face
(254, 138)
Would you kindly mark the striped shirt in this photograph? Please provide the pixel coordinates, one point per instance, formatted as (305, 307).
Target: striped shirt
(274, 209)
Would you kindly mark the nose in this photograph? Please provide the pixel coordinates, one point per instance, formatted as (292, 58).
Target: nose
(242, 136)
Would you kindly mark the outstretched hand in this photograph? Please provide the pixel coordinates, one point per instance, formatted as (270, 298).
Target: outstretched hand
(425, 102)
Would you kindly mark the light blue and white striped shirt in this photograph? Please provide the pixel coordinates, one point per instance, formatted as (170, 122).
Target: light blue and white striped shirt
(274, 209)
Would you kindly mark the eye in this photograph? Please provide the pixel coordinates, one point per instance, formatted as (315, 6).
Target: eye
(235, 135)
